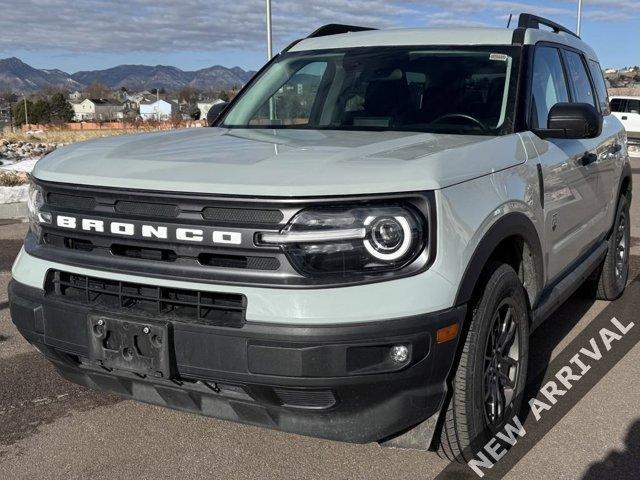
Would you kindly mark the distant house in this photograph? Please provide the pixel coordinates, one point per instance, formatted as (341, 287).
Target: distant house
(129, 109)
(158, 110)
(97, 109)
(75, 97)
(205, 106)
(5, 115)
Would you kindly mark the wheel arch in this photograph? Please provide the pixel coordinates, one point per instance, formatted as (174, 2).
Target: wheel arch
(514, 240)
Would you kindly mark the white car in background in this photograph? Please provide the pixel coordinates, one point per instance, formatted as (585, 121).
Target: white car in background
(627, 109)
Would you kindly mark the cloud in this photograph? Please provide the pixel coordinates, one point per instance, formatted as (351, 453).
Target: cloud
(169, 25)
(121, 26)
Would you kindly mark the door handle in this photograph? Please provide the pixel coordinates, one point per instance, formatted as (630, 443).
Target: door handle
(588, 158)
(624, 117)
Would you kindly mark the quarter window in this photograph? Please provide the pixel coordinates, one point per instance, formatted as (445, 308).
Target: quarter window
(601, 87)
(582, 92)
(292, 103)
(548, 85)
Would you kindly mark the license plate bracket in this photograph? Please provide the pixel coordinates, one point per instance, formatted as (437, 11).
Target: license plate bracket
(141, 347)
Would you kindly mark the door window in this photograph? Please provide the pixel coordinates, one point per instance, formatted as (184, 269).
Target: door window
(582, 91)
(633, 106)
(618, 104)
(548, 85)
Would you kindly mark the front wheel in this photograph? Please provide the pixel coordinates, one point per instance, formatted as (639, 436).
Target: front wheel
(490, 377)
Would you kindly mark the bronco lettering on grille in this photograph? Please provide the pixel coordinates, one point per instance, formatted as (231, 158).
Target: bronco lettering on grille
(160, 232)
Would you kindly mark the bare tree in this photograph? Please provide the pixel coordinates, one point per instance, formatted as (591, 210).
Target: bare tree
(97, 90)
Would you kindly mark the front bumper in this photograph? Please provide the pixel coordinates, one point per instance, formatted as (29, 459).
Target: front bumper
(332, 382)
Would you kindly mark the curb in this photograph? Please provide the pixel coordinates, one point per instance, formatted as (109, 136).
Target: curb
(13, 211)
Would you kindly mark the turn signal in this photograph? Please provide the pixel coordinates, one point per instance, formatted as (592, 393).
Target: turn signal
(446, 334)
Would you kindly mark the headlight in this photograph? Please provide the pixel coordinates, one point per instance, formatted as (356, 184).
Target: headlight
(352, 240)
(35, 201)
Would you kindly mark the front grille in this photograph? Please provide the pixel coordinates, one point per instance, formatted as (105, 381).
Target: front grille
(311, 399)
(189, 306)
(174, 253)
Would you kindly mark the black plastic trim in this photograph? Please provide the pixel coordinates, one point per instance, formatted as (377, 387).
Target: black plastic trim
(512, 224)
(336, 29)
(528, 20)
(213, 372)
(560, 291)
(540, 184)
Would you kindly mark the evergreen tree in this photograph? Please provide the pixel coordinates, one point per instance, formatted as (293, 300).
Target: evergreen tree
(41, 112)
(61, 110)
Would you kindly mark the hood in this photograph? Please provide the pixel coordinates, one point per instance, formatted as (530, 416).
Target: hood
(281, 163)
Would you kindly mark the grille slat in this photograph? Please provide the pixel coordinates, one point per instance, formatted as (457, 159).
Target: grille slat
(191, 306)
(242, 215)
(71, 201)
(311, 399)
(143, 209)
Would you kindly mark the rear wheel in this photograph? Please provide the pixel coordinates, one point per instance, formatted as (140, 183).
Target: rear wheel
(614, 273)
(491, 373)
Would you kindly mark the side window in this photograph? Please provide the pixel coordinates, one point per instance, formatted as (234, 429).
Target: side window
(633, 106)
(548, 85)
(579, 78)
(618, 104)
(601, 87)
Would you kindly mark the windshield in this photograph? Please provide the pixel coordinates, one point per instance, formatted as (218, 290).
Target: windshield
(468, 90)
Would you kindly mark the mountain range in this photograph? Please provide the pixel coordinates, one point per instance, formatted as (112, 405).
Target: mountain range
(17, 76)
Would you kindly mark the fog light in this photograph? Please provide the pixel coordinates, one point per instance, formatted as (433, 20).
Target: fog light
(44, 217)
(399, 353)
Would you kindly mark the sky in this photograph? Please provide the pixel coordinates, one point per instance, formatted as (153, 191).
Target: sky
(75, 35)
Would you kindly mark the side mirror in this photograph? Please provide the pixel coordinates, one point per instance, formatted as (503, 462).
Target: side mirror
(572, 121)
(214, 112)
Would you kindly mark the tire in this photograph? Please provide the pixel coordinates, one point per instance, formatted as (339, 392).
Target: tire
(614, 272)
(468, 421)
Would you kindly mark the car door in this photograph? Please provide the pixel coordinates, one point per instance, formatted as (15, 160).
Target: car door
(570, 179)
(610, 151)
(630, 118)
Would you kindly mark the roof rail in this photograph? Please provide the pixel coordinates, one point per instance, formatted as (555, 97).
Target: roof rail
(336, 28)
(528, 20)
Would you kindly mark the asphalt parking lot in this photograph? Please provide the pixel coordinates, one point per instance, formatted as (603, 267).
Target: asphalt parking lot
(52, 429)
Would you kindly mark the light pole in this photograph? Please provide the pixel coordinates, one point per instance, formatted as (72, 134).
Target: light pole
(26, 115)
(269, 33)
(579, 17)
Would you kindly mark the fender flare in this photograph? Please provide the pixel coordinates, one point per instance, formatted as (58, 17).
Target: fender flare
(512, 224)
(625, 175)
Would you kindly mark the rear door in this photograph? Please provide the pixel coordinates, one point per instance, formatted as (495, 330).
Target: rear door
(610, 152)
(601, 151)
(571, 223)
